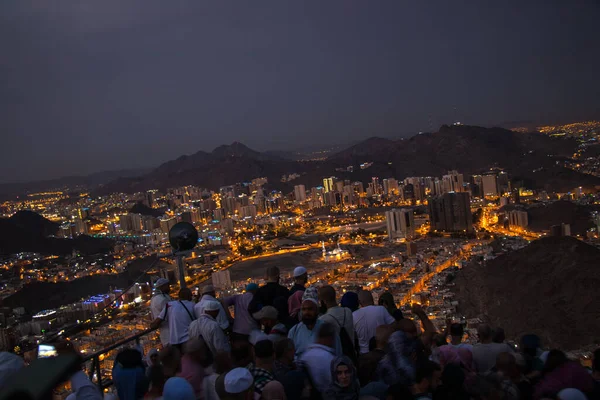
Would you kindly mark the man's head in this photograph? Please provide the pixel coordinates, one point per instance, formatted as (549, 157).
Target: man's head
(327, 296)
(163, 285)
(209, 290)
(408, 327)
(212, 308)
(273, 274)
(382, 335)
(285, 350)
(185, 294)
(365, 298)
(196, 348)
(237, 384)
(309, 312)
(300, 275)
(457, 331)
(252, 288)
(241, 353)
(263, 352)
(267, 317)
(427, 377)
(484, 332)
(170, 358)
(326, 335)
(498, 335)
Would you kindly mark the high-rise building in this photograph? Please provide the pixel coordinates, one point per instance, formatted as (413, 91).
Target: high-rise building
(400, 223)
(125, 222)
(136, 222)
(328, 184)
(248, 211)
(81, 226)
(221, 279)
(490, 185)
(150, 198)
(453, 182)
(167, 223)
(348, 195)
(518, 218)
(390, 187)
(376, 186)
(451, 212)
(300, 193)
(217, 214)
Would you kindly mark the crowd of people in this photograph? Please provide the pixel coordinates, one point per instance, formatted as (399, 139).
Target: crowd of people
(305, 343)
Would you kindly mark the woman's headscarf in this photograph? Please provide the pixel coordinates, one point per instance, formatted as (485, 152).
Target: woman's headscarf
(448, 355)
(571, 394)
(295, 303)
(338, 392)
(178, 389)
(396, 366)
(350, 300)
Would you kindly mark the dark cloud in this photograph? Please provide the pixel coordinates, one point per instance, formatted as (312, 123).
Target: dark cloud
(94, 85)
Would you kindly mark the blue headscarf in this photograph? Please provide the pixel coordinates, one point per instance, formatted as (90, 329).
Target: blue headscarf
(178, 389)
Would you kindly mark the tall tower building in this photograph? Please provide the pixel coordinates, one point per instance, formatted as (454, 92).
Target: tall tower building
(328, 184)
(490, 185)
(453, 182)
(451, 212)
(400, 223)
(300, 193)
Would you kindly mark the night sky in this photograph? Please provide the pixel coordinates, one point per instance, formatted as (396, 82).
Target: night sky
(89, 85)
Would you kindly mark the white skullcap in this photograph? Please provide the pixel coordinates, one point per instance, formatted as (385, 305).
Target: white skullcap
(212, 306)
(238, 380)
(160, 282)
(299, 271)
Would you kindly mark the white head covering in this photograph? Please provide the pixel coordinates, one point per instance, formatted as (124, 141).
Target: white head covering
(160, 282)
(299, 271)
(212, 306)
(238, 380)
(571, 394)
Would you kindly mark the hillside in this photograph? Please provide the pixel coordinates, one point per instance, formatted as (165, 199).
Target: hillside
(548, 288)
(469, 149)
(29, 231)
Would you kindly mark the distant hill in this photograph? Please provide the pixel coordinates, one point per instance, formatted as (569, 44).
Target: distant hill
(86, 182)
(28, 231)
(548, 288)
(541, 218)
(471, 150)
(531, 157)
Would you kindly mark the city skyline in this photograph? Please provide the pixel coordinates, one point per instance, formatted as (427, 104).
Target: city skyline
(105, 86)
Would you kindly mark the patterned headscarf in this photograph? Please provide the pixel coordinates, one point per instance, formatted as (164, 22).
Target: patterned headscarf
(338, 392)
(396, 366)
(312, 294)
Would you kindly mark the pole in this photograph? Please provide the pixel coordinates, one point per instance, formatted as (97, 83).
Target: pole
(181, 269)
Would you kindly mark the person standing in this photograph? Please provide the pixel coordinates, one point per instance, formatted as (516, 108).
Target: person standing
(159, 299)
(209, 294)
(300, 279)
(367, 318)
(243, 322)
(266, 294)
(304, 333)
(318, 357)
(341, 319)
(208, 328)
(178, 315)
(485, 352)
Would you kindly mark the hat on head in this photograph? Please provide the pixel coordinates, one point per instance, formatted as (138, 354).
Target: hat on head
(251, 286)
(212, 306)
(208, 289)
(161, 282)
(268, 312)
(299, 271)
(236, 381)
(311, 294)
(257, 336)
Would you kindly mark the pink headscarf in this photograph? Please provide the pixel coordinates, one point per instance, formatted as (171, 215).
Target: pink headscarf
(295, 303)
(448, 355)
